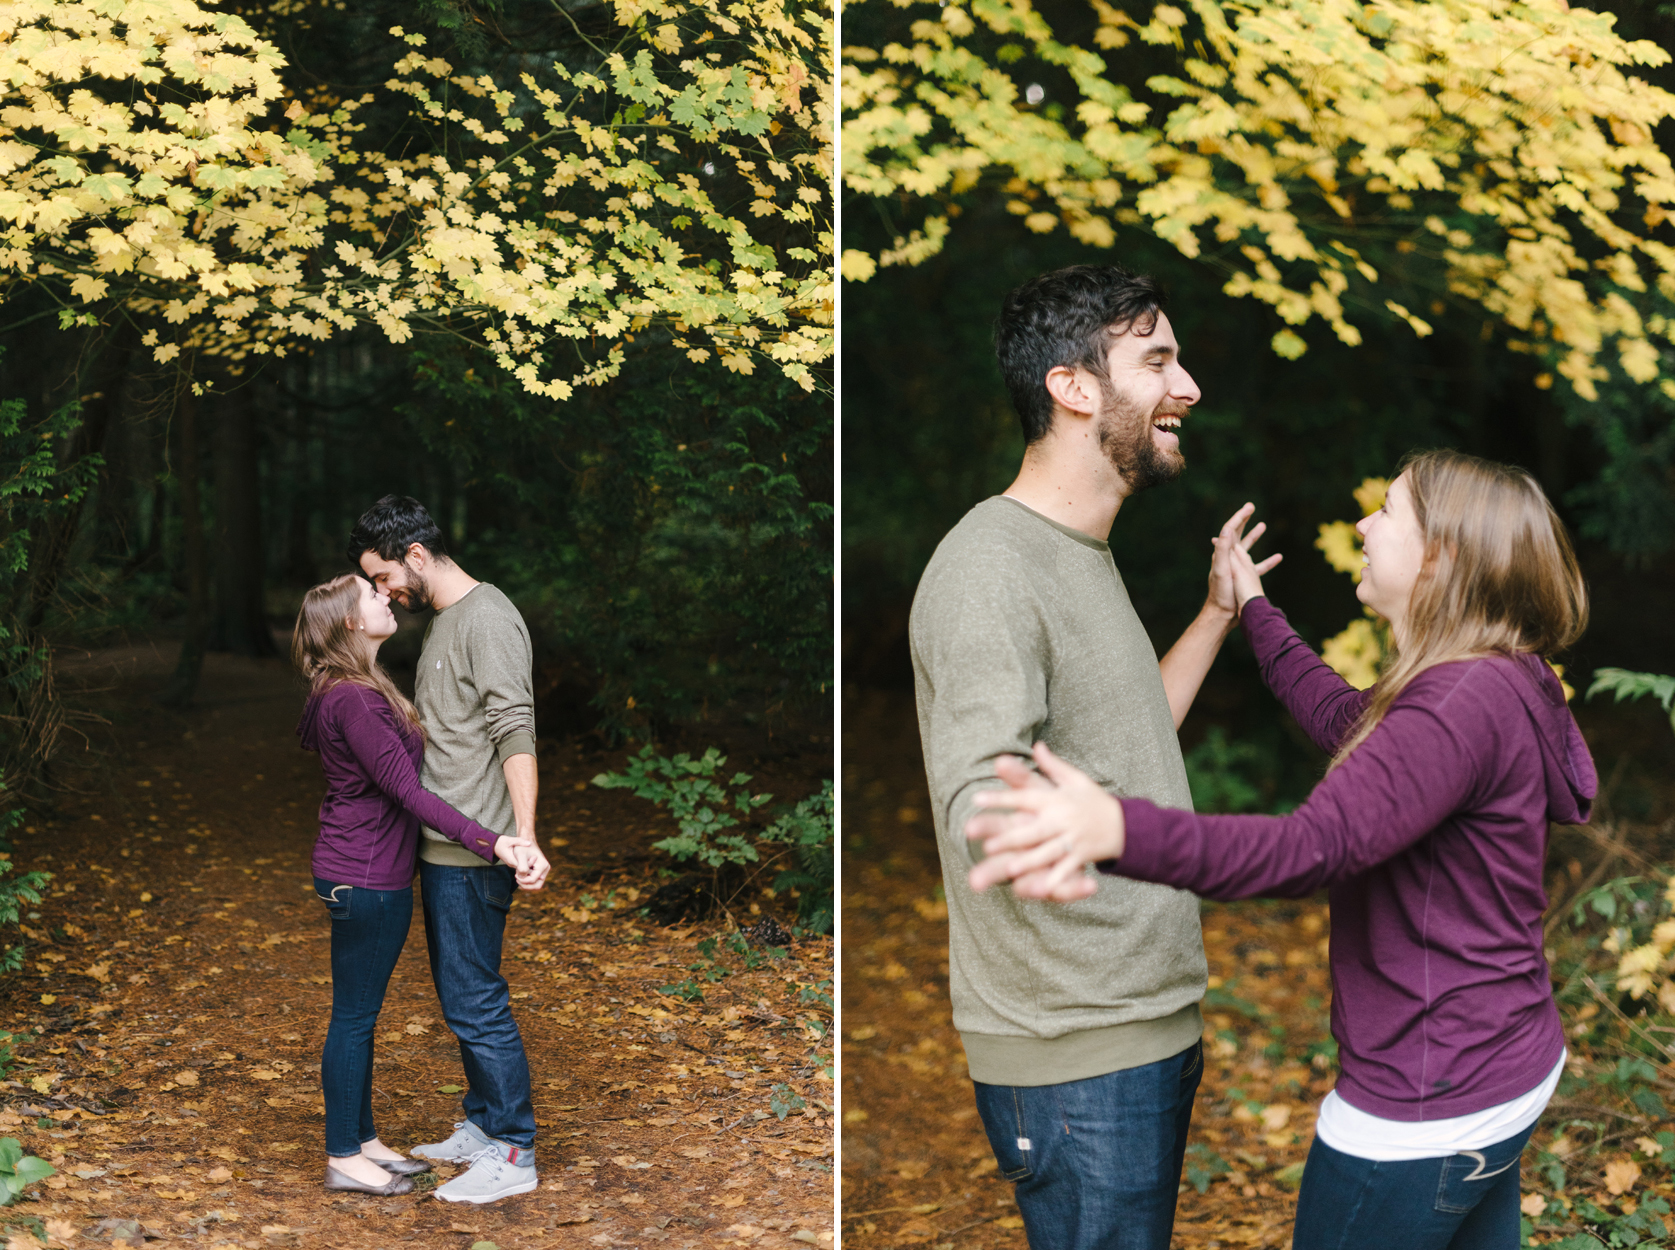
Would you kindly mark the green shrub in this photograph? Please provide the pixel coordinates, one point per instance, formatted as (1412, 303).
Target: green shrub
(808, 830)
(18, 1171)
(699, 801)
(708, 807)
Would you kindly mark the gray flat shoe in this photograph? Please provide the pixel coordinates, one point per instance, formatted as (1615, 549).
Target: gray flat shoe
(403, 1167)
(348, 1184)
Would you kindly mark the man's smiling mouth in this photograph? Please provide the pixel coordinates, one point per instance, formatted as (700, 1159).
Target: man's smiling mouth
(1169, 421)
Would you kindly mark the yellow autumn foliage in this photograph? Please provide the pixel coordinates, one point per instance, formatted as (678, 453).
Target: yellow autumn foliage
(1647, 969)
(1508, 144)
(551, 220)
(1357, 653)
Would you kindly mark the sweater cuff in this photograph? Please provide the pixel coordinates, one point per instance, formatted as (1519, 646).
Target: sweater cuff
(1143, 842)
(481, 842)
(518, 742)
(1255, 609)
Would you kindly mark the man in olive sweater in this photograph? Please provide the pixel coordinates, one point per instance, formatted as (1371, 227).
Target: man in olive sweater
(475, 699)
(1080, 1023)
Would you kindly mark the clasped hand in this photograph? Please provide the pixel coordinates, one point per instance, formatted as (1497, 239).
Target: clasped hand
(525, 860)
(1236, 577)
(1042, 831)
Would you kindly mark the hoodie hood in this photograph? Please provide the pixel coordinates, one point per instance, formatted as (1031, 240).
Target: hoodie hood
(308, 728)
(1571, 779)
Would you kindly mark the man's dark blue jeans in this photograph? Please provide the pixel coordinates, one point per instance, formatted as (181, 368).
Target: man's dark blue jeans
(369, 928)
(1465, 1201)
(465, 923)
(1096, 1163)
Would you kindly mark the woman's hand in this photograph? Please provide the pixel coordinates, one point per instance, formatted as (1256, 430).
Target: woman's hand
(1236, 579)
(1043, 829)
(524, 859)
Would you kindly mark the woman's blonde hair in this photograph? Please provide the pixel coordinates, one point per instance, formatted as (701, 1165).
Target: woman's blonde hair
(328, 649)
(1499, 575)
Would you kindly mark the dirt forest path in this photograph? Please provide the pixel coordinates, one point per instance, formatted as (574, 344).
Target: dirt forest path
(176, 992)
(917, 1168)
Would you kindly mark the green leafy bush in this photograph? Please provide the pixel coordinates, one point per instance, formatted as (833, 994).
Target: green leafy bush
(1627, 685)
(18, 1170)
(697, 796)
(1235, 775)
(709, 806)
(808, 830)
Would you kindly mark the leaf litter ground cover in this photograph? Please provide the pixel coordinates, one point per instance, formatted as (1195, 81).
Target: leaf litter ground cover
(917, 1168)
(176, 994)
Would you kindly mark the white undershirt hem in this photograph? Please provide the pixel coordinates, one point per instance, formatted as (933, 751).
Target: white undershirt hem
(1354, 1132)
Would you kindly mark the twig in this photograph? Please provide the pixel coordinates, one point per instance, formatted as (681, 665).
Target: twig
(955, 1232)
(1590, 1107)
(1618, 1012)
(926, 1208)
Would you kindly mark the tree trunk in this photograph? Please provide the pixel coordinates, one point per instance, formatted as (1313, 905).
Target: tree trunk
(241, 624)
(189, 667)
(50, 546)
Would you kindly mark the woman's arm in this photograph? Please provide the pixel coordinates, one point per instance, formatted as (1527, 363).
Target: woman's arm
(1321, 702)
(369, 729)
(1414, 771)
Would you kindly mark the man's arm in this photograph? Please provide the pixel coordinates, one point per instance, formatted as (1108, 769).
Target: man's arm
(1188, 661)
(501, 662)
(523, 782)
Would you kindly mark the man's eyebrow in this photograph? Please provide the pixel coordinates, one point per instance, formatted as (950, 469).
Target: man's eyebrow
(1162, 349)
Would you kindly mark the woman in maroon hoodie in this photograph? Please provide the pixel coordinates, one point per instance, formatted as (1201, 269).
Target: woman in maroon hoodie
(370, 746)
(1430, 832)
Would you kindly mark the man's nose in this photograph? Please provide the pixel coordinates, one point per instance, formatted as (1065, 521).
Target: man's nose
(1184, 388)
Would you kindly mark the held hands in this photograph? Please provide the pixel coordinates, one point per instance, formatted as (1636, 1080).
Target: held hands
(1043, 829)
(1235, 578)
(525, 860)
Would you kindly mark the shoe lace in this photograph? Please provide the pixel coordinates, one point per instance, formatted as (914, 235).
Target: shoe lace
(487, 1152)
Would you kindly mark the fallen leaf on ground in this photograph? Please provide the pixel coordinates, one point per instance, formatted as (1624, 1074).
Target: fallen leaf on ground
(1621, 1175)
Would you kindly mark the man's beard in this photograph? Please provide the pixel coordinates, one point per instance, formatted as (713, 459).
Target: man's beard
(1125, 436)
(417, 590)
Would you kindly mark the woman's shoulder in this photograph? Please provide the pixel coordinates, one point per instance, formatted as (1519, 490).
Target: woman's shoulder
(349, 700)
(1483, 685)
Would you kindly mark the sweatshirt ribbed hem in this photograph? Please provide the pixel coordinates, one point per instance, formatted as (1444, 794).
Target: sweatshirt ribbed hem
(994, 1059)
(435, 849)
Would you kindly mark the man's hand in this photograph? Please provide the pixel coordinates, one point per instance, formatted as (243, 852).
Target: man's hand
(1235, 578)
(524, 859)
(1042, 830)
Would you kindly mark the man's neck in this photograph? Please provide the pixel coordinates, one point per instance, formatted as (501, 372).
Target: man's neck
(1066, 484)
(448, 585)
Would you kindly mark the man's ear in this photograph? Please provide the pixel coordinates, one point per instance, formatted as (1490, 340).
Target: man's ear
(416, 555)
(1073, 390)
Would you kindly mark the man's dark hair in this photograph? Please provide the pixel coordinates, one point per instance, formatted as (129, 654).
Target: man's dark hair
(1067, 317)
(391, 526)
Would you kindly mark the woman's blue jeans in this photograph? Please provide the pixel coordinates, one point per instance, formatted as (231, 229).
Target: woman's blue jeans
(1464, 1201)
(369, 928)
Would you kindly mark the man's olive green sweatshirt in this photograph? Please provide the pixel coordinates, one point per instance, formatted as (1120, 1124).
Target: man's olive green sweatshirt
(1021, 632)
(475, 696)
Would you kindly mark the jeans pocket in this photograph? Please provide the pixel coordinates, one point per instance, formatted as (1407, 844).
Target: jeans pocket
(335, 897)
(498, 886)
(1195, 1061)
(1470, 1174)
(1003, 1119)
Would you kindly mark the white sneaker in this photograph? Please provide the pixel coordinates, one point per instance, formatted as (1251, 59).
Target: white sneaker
(497, 1171)
(462, 1147)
